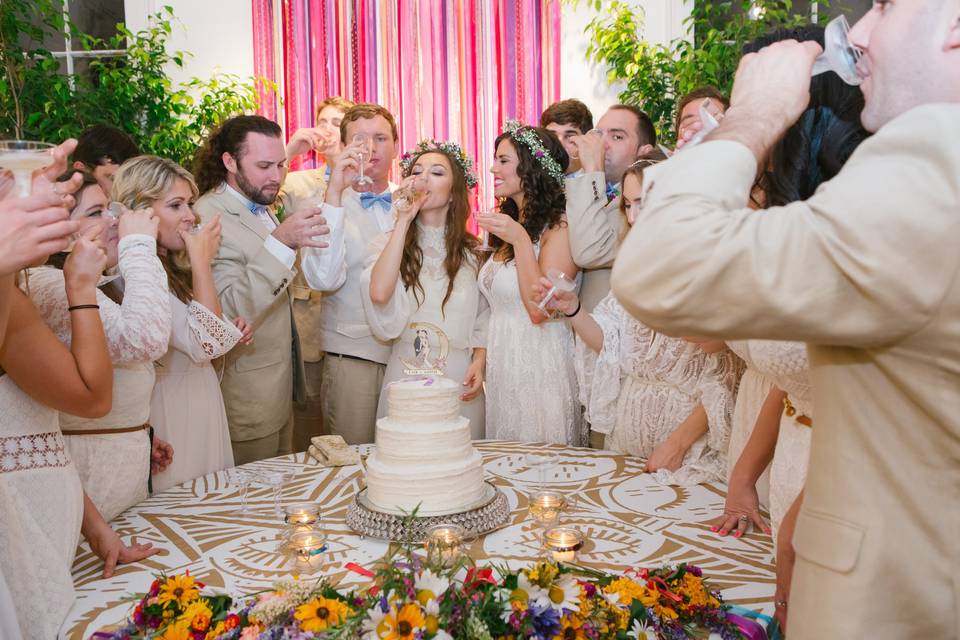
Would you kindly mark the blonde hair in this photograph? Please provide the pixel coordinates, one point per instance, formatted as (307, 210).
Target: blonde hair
(139, 183)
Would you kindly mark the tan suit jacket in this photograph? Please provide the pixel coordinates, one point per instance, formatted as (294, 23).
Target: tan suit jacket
(866, 272)
(595, 229)
(298, 186)
(260, 379)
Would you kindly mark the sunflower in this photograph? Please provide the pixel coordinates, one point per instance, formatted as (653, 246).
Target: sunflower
(198, 614)
(571, 628)
(321, 613)
(179, 630)
(403, 624)
(180, 590)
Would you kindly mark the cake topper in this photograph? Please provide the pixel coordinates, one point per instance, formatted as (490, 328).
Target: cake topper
(425, 360)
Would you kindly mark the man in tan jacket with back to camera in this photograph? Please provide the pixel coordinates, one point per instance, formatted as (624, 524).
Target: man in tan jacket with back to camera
(866, 273)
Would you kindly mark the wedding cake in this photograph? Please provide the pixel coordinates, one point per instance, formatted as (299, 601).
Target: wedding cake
(424, 456)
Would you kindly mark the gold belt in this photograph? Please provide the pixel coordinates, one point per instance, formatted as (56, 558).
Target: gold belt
(791, 412)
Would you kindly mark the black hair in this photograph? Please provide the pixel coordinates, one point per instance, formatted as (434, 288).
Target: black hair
(102, 144)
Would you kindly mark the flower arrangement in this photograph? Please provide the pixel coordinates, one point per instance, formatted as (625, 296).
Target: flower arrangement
(525, 135)
(411, 598)
(451, 149)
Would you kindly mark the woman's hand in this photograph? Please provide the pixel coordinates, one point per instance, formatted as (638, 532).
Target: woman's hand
(246, 330)
(141, 221)
(83, 269)
(741, 509)
(504, 227)
(407, 215)
(666, 455)
(565, 302)
(473, 379)
(203, 245)
(161, 455)
(110, 548)
(32, 228)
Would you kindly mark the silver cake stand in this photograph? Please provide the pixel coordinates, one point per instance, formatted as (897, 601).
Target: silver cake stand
(482, 517)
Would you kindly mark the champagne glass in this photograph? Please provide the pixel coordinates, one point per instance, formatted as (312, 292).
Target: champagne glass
(484, 234)
(243, 478)
(362, 182)
(709, 120)
(410, 194)
(542, 463)
(22, 158)
(561, 282)
(839, 55)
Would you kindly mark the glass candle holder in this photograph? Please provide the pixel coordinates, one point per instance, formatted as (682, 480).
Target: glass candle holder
(444, 543)
(306, 547)
(562, 543)
(301, 513)
(546, 507)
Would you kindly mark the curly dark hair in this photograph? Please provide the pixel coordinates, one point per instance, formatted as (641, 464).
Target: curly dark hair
(817, 146)
(544, 200)
(230, 137)
(459, 242)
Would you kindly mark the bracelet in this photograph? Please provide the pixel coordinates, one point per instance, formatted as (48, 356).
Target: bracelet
(570, 315)
(83, 306)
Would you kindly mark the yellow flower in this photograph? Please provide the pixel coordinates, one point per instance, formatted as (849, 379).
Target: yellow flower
(321, 613)
(571, 628)
(180, 590)
(403, 624)
(628, 591)
(198, 614)
(179, 630)
(542, 573)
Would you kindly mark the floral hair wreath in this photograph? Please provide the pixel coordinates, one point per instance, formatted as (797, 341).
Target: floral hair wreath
(451, 149)
(527, 136)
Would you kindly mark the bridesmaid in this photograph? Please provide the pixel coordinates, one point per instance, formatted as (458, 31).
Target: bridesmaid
(187, 407)
(531, 383)
(420, 283)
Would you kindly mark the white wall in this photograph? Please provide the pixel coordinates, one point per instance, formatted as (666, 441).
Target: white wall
(586, 80)
(219, 34)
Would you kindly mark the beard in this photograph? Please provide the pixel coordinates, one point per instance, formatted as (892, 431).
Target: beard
(257, 194)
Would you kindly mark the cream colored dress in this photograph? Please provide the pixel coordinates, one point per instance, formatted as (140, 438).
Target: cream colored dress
(187, 407)
(115, 468)
(785, 365)
(531, 383)
(412, 325)
(751, 394)
(41, 503)
(643, 384)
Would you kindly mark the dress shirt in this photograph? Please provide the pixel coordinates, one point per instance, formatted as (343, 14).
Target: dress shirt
(277, 249)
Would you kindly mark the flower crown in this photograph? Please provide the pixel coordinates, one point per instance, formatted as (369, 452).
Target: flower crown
(451, 149)
(529, 138)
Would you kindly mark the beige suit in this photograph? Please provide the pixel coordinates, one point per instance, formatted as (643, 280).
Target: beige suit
(308, 420)
(865, 272)
(595, 229)
(260, 379)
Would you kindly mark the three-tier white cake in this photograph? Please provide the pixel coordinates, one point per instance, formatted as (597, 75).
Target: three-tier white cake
(424, 455)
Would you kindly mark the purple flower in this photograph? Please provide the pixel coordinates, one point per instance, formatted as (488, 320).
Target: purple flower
(384, 604)
(538, 154)
(590, 589)
(546, 621)
(695, 570)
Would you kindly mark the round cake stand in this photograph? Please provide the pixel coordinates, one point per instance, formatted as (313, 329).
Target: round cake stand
(482, 518)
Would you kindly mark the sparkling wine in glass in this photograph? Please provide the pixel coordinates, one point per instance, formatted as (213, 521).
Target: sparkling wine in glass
(484, 234)
(363, 182)
(22, 158)
(407, 196)
(561, 282)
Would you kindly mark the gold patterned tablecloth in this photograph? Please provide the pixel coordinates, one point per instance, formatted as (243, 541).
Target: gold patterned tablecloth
(629, 521)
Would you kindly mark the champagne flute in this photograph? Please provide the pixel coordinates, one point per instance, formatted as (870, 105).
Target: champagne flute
(484, 234)
(22, 158)
(362, 182)
(839, 55)
(243, 478)
(560, 282)
(410, 194)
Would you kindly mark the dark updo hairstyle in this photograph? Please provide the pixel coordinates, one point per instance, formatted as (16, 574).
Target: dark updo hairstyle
(816, 147)
(230, 137)
(544, 200)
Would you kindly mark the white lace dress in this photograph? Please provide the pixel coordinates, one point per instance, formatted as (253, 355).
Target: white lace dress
(531, 384)
(114, 468)
(751, 394)
(41, 503)
(643, 384)
(412, 326)
(187, 406)
(784, 364)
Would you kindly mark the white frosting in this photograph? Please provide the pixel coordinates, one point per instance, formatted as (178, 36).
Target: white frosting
(424, 456)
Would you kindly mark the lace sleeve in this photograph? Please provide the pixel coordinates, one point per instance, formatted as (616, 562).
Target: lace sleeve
(386, 321)
(199, 333)
(718, 393)
(139, 329)
(478, 339)
(598, 374)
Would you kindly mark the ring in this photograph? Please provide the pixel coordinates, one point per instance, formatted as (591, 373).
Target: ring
(780, 604)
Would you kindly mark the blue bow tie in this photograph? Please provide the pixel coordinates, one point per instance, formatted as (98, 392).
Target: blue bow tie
(367, 199)
(613, 190)
(257, 209)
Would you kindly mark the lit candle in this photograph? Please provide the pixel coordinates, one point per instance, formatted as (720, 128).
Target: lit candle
(546, 506)
(444, 541)
(305, 513)
(563, 543)
(306, 544)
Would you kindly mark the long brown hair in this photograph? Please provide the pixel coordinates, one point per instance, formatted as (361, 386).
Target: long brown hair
(139, 183)
(230, 137)
(459, 242)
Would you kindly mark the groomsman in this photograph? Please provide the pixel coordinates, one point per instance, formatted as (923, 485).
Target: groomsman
(239, 172)
(354, 360)
(568, 119)
(688, 109)
(623, 134)
(310, 185)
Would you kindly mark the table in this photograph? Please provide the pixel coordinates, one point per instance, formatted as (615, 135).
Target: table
(629, 521)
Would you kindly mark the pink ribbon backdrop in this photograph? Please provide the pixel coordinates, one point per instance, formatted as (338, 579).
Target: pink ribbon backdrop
(447, 69)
